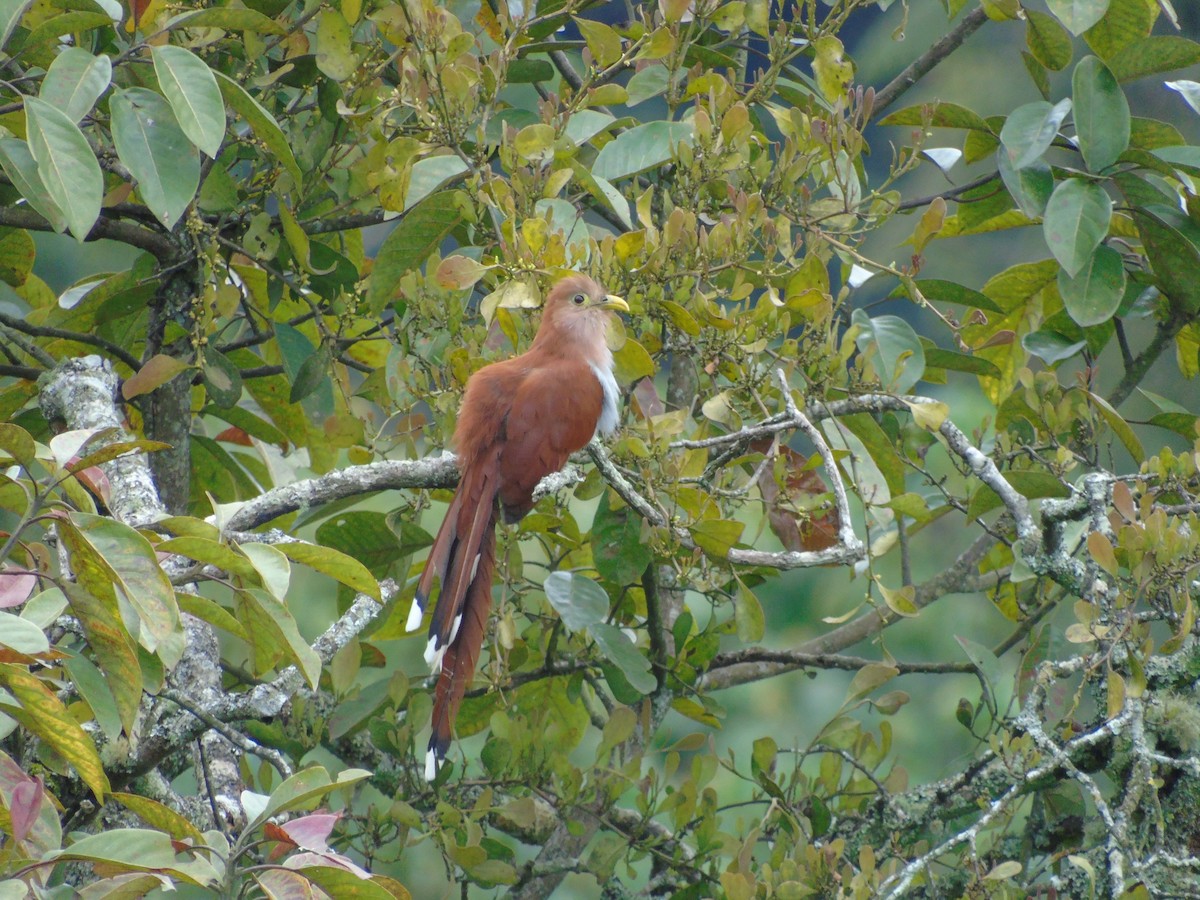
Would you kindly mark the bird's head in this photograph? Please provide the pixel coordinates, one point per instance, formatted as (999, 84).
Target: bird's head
(577, 310)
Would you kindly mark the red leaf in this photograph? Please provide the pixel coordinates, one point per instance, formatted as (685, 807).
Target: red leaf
(96, 483)
(647, 403)
(25, 806)
(312, 831)
(799, 519)
(235, 435)
(15, 588)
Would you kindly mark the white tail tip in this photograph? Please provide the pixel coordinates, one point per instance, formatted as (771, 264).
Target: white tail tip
(431, 765)
(415, 615)
(434, 654)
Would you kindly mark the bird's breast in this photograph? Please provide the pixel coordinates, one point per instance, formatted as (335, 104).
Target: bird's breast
(607, 423)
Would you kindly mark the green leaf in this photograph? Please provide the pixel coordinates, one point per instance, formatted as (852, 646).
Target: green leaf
(716, 537)
(1047, 40)
(1151, 55)
(65, 164)
(1038, 73)
(209, 552)
(748, 615)
(868, 678)
(880, 448)
(195, 97)
(17, 254)
(221, 377)
(213, 613)
(430, 174)
(156, 151)
(1078, 15)
(950, 292)
(56, 24)
(335, 49)
(602, 41)
(1101, 114)
(619, 728)
(310, 375)
(114, 651)
(987, 665)
(141, 850)
(337, 565)
(893, 349)
(75, 81)
(111, 559)
(22, 636)
(535, 142)
(620, 650)
(1125, 22)
(271, 568)
(937, 358)
(302, 790)
(160, 817)
(21, 169)
(603, 190)
(273, 630)
(618, 552)
(1186, 158)
(10, 14)
(579, 601)
(335, 881)
(647, 83)
(586, 124)
(1120, 427)
(18, 444)
(941, 115)
(1029, 484)
(410, 243)
(93, 688)
(530, 71)
(1164, 404)
(1030, 130)
(1076, 221)
(228, 18)
(1051, 346)
(1030, 186)
(261, 122)
(1093, 295)
(1183, 424)
(1174, 259)
(42, 714)
(640, 148)
(369, 537)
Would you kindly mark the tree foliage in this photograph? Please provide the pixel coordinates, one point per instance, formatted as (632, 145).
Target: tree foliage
(221, 457)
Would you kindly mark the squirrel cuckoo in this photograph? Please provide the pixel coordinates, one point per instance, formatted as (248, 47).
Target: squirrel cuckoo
(520, 420)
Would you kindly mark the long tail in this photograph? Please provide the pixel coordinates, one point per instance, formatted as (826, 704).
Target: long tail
(463, 558)
(462, 653)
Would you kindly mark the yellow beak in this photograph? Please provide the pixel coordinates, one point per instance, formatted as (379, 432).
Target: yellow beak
(614, 302)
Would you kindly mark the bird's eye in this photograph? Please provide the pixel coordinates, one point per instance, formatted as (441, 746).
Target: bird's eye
(578, 299)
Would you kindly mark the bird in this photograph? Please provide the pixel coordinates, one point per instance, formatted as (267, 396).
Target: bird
(520, 419)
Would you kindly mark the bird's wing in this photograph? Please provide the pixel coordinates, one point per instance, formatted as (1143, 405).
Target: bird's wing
(554, 412)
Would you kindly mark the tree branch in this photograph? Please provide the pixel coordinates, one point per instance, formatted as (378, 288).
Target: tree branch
(159, 246)
(925, 63)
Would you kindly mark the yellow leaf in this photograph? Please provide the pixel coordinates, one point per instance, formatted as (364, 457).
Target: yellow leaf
(1116, 694)
(900, 601)
(930, 416)
(535, 142)
(1101, 549)
(43, 714)
(834, 71)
